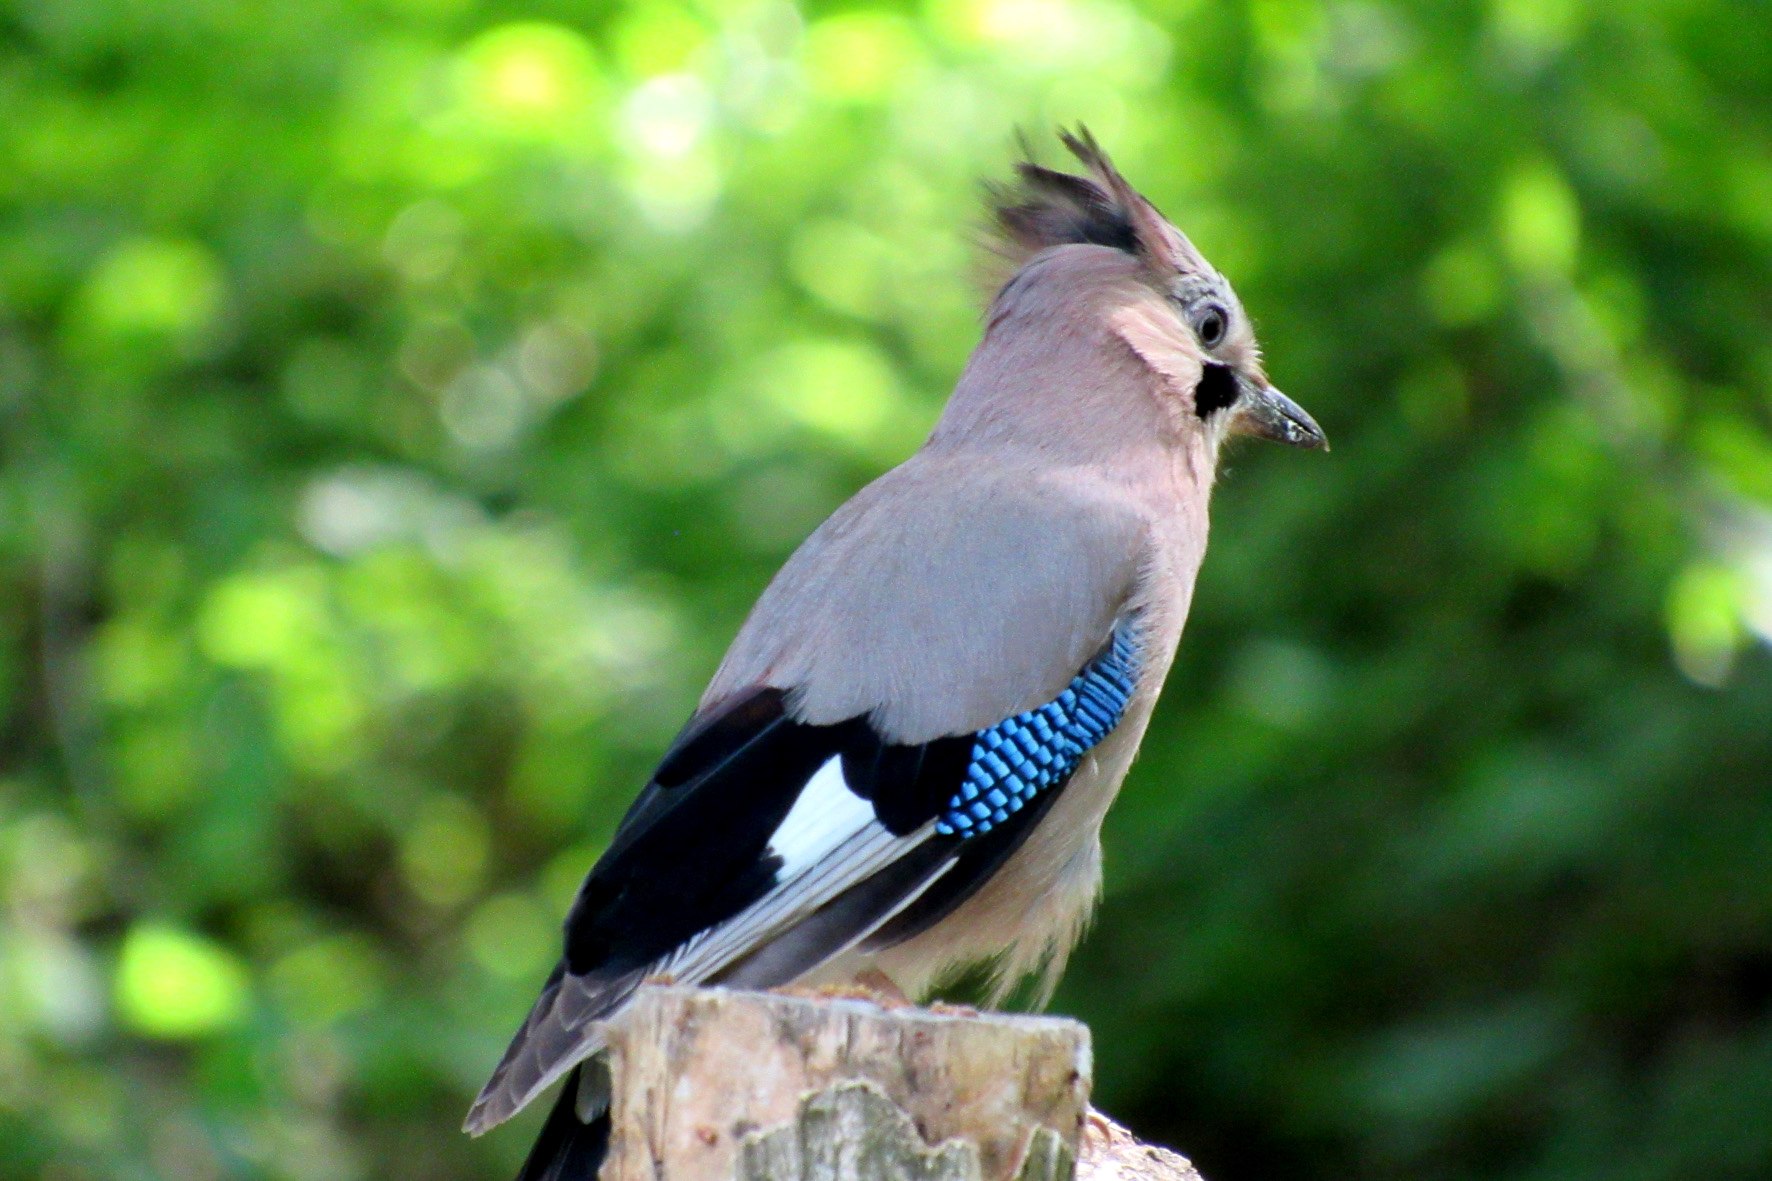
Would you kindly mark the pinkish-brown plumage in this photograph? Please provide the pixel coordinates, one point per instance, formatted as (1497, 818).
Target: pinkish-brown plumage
(1059, 504)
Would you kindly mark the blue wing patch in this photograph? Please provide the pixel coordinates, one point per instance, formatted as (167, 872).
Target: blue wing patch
(1017, 759)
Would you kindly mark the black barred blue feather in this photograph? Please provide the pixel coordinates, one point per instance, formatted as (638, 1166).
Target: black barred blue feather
(1018, 758)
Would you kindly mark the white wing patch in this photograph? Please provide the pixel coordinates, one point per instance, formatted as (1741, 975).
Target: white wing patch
(829, 841)
(825, 814)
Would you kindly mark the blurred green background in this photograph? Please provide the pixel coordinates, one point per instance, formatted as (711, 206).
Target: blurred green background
(402, 401)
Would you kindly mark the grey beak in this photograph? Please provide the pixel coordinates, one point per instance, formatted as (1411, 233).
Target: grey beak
(1266, 413)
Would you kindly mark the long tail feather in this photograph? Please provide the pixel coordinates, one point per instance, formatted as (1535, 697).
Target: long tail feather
(568, 1149)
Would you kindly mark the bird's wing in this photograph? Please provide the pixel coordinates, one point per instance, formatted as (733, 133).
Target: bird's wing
(764, 846)
(749, 824)
(906, 700)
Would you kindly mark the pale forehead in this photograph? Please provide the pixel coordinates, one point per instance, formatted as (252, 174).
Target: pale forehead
(1197, 283)
(1190, 286)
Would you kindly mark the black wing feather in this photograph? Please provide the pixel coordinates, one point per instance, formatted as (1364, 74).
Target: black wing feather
(694, 851)
(908, 785)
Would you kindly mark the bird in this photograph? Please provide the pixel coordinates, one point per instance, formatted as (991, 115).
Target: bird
(902, 764)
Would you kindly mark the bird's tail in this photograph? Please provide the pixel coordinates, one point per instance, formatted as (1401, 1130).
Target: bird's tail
(568, 1149)
(560, 1032)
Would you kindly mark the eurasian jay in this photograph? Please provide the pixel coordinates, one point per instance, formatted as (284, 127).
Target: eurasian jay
(903, 762)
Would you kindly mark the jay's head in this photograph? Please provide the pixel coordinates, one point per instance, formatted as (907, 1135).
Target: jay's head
(1105, 288)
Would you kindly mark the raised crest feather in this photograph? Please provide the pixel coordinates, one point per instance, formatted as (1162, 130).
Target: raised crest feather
(1052, 208)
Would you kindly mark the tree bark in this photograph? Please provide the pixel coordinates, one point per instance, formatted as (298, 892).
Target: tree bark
(1110, 1153)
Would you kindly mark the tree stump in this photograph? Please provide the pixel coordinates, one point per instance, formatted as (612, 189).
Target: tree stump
(711, 1084)
(1110, 1153)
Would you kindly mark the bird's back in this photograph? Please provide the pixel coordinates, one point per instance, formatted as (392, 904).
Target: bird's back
(955, 591)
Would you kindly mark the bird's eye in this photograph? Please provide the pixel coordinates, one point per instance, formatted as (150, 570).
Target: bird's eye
(1210, 324)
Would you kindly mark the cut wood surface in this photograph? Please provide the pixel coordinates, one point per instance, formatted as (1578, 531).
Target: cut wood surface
(1110, 1153)
(715, 1084)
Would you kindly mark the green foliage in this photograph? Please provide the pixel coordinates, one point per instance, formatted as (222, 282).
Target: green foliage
(401, 401)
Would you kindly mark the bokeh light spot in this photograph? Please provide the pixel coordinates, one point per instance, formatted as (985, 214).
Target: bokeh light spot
(1704, 608)
(327, 979)
(529, 73)
(444, 852)
(859, 56)
(668, 116)
(1540, 221)
(513, 937)
(843, 388)
(157, 288)
(174, 984)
